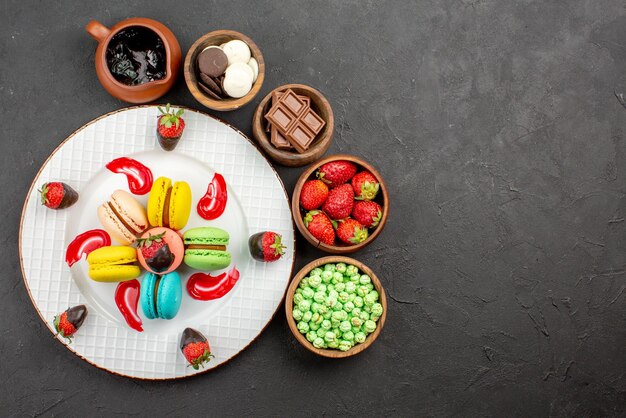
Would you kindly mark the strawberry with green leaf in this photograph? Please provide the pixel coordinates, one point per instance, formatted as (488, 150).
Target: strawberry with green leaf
(195, 347)
(68, 322)
(156, 252)
(57, 195)
(170, 127)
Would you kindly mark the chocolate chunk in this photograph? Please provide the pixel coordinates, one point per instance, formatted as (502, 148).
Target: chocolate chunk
(209, 92)
(295, 120)
(210, 83)
(278, 140)
(212, 61)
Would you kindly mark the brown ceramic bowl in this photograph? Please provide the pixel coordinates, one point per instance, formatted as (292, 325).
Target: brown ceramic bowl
(291, 158)
(217, 38)
(339, 248)
(332, 353)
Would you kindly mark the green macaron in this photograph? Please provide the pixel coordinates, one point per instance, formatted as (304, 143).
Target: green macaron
(205, 248)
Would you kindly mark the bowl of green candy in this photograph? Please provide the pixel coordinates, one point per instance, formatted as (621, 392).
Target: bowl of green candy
(336, 306)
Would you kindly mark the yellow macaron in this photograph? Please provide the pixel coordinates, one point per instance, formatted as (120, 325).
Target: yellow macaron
(113, 264)
(169, 205)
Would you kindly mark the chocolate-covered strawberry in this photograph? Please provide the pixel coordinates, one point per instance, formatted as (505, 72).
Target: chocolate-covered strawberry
(320, 226)
(368, 213)
(266, 246)
(365, 186)
(351, 231)
(335, 173)
(340, 202)
(313, 194)
(68, 322)
(195, 348)
(57, 195)
(170, 127)
(156, 252)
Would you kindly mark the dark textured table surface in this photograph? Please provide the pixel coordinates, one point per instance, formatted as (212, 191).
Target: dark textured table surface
(503, 145)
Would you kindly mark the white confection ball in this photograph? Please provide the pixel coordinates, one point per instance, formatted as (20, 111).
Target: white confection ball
(237, 51)
(240, 66)
(237, 82)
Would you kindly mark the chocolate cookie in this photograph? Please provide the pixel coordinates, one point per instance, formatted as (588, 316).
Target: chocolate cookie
(210, 83)
(209, 92)
(212, 61)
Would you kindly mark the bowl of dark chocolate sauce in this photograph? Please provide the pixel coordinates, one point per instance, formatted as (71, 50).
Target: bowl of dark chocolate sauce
(137, 60)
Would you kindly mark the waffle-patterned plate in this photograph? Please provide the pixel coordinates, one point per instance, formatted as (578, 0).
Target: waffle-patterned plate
(256, 202)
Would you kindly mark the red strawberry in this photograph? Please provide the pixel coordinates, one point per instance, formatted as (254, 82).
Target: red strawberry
(340, 202)
(156, 252)
(367, 212)
(351, 231)
(195, 348)
(320, 226)
(313, 194)
(266, 246)
(365, 186)
(335, 173)
(69, 321)
(57, 195)
(170, 127)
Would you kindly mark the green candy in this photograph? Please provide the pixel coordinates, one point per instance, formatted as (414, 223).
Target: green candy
(356, 321)
(356, 312)
(345, 345)
(355, 279)
(297, 314)
(358, 302)
(356, 329)
(369, 300)
(333, 294)
(365, 279)
(321, 332)
(348, 336)
(319, 297)
(330, 267)
(341, 267)
(348, 306)
(321, 288)
(339, 316)
(374, 317)
(362, 290)
(326, 324)
(337, 278)
(350, 287)
(327, 315)
(297, 298)
(344, 297)
(377, 310)
(345, 326)
(314, 326)
(316, 318)
(318, 343)
(304, 306)
(315, 281)
(303, 327)
(315, 307)
(340, 287)
(364, 316)
(369, 287)
(304, 283)
(306, 317)
(335, 322)
(311, 336)
(333, 344)
(327, 276)
(298, 291)
(316, 272)
(329, 336)
(351, 270)
(338, 306)
(359, 337)
(367, 309)
(323, 310)
(330, 301)
(308, 293)
(369, 326)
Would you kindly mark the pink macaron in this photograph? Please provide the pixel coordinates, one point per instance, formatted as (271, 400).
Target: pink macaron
(123, 217)
(160, 250)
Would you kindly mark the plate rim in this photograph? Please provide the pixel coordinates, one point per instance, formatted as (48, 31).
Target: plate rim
(27, 199)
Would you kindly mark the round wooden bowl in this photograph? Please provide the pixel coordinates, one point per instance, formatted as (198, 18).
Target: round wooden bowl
(217, 38)
(339, 248)
(322, 141)
(333, 353)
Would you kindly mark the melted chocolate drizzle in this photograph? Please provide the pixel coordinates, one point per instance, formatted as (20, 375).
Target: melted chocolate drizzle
(136, 55)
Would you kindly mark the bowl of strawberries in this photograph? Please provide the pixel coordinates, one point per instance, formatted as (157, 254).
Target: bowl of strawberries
(340, 204)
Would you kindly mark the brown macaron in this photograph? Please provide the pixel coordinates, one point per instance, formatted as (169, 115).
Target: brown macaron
(212, 61)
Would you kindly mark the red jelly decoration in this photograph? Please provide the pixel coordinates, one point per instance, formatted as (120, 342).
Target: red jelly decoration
(213, 203)
(138, 175)
(86, 243)
(203, 286)
(126, 298)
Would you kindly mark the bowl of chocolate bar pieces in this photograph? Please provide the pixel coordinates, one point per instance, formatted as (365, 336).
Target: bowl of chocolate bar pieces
(294, 125)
